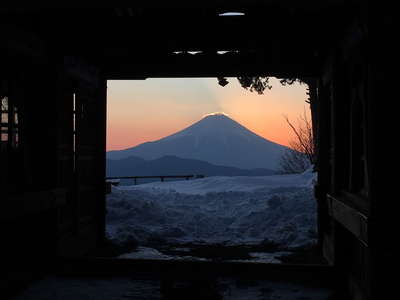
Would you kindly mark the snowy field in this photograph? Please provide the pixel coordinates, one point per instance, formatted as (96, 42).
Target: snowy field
(278, 209)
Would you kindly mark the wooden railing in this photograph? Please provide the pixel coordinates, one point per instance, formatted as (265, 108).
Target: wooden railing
(109, 181)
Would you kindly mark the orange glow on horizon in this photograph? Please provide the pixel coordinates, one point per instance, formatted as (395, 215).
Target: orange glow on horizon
(143, 111)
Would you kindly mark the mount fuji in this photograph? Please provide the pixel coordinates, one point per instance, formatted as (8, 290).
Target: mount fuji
(216, 139)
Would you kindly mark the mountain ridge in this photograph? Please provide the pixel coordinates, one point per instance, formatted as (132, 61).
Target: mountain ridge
(173, 165)
(216, 139)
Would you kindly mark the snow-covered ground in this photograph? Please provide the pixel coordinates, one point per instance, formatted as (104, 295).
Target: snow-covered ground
(278, 209)
(150, 253)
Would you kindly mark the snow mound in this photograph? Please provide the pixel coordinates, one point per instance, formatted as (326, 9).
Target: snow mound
(277, 209)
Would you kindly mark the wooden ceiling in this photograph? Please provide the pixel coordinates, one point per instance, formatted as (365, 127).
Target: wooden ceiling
(281, 38)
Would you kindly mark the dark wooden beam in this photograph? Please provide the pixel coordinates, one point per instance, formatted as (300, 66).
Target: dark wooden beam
(210, 65)
(349, 217)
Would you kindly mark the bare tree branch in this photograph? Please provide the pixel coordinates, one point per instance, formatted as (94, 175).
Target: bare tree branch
(301, 153)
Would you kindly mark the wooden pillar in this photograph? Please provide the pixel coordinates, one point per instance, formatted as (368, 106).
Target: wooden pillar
(101, 158)
(325, 228)
(313, 101)
(82, 154)
(39, 132)
(382, 87)
(68, 211)
(340, 125)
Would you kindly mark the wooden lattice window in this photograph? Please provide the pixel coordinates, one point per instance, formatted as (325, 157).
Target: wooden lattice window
(4, 121)
(9, 142)
(9, 125)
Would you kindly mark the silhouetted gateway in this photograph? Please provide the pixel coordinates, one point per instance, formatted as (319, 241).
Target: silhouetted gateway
(54, 67)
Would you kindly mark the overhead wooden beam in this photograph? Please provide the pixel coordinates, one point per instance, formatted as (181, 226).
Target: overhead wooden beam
(228, 65)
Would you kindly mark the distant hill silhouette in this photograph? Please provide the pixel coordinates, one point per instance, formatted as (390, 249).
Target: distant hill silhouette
(216, 139)
(172, 165)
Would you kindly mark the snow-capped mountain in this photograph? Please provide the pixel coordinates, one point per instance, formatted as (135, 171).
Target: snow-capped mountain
(217, 139)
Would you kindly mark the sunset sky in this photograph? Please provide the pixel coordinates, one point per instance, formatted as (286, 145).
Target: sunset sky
(147, 110)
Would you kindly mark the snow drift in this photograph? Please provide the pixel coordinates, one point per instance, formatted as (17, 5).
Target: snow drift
(277, 209)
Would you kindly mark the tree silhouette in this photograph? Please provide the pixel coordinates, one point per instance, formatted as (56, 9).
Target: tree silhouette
(301, 152)
(258, 84)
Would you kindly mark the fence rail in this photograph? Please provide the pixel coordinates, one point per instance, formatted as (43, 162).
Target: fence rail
(135, 178)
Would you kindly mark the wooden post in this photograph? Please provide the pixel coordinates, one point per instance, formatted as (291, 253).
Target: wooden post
(325, 227)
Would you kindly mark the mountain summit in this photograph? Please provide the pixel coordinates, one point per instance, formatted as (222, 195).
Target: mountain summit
(217, 139)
